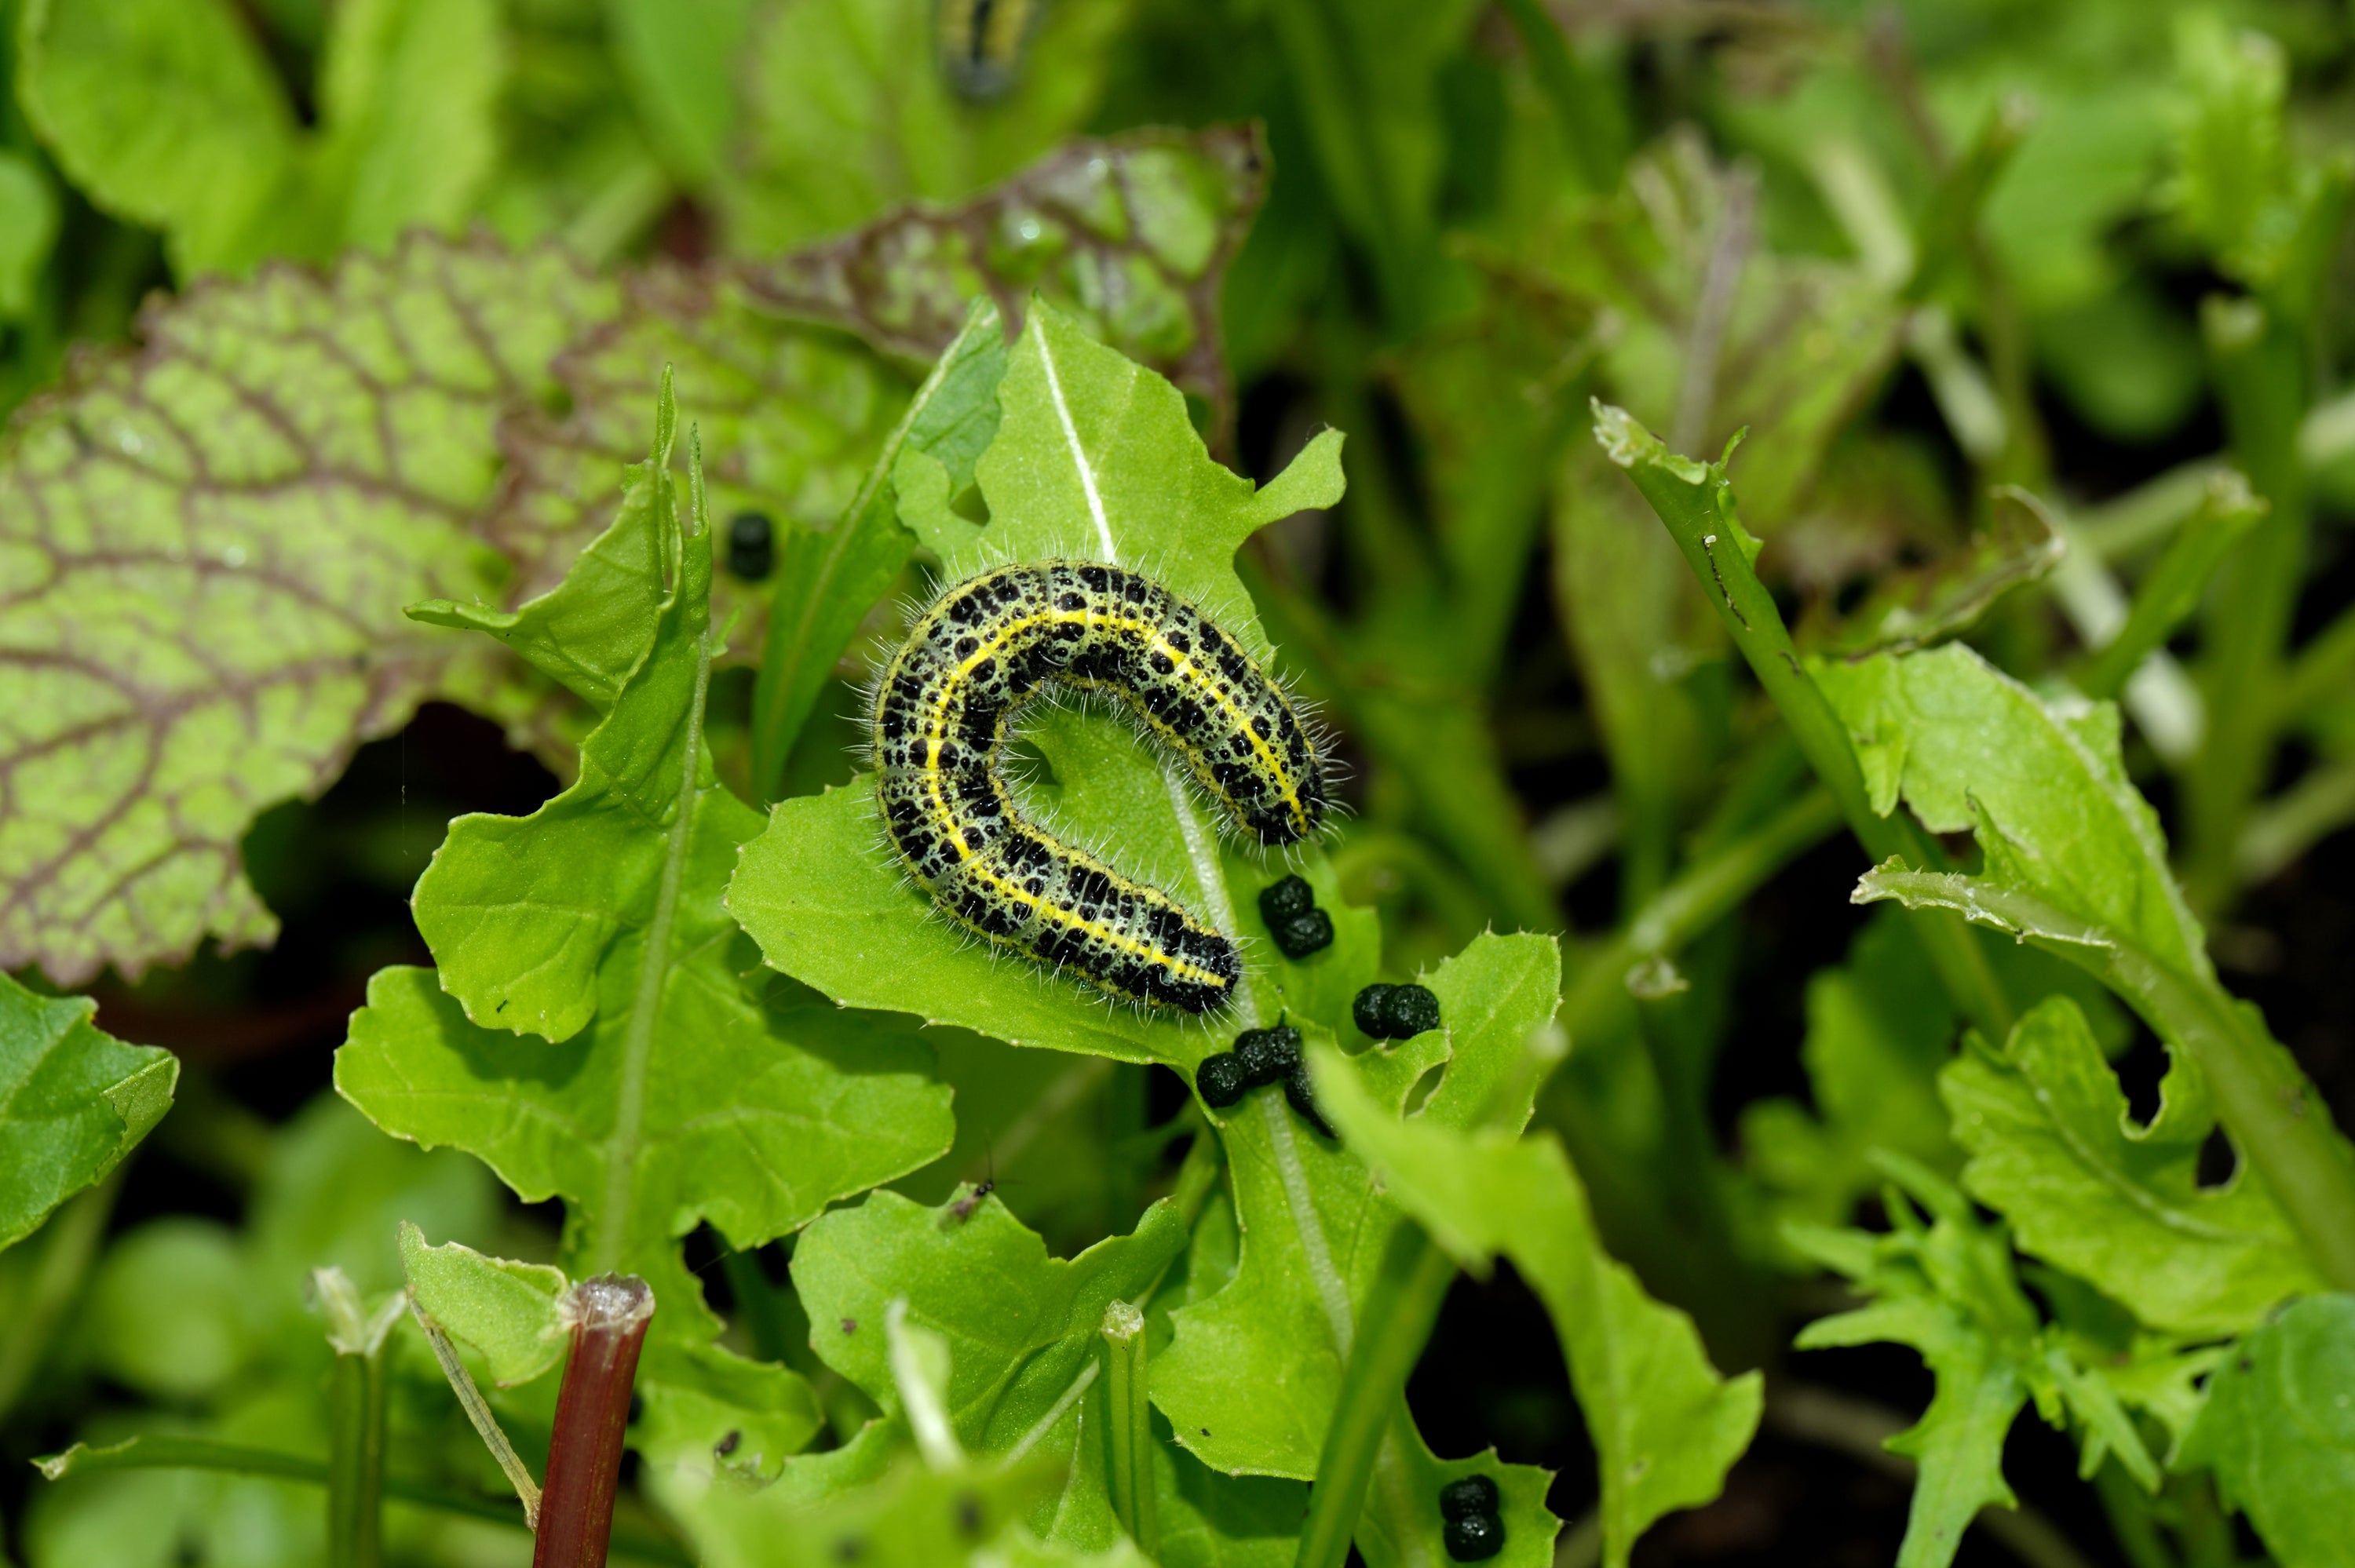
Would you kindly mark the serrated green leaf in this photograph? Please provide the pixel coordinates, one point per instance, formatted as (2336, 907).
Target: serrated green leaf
(510, 1311)
(669, 1084)
(73, 1102)
(1946, 1285)
(207, 541)
(2054, 1149)
(2279, 1431)
(1666, 1426)
(848, 112)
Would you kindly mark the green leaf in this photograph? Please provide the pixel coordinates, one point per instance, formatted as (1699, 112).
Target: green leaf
(29, 228)
(1946, 1285)
(73, 1102)
(2041, 783)
(669, 1082)
(848, 113)
(2074, 862)
(1131, 236)
(214, 533)
(164, 111)
(1666, 1426)
(679, 62)
(508, 1311)
(906, 1514)
(2120, 1205)
(2279, 1430)
(169, 114)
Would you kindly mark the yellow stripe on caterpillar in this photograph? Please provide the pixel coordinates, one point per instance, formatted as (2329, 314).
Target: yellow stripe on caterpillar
(942, 715)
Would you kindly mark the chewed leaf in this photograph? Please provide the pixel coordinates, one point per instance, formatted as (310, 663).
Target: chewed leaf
(510, 1311)
(206, 543)
(73, 1102)
(1133, 234)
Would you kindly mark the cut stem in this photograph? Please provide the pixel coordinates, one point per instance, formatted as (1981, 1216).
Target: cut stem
(1129, 1426)
(1395, 1321)
(593, 1414)
(355, 1420)
(1695, 501)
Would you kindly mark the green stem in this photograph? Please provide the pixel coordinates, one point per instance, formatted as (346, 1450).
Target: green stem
(2261, 380)
(172, 1452)
(1396, 1319)
(356, 1419)
(1130, 1426)
(1695, 501)
(2131, 1524)
(69, 1243)
(2171, 590)
(2323, 669)
(2292, 823)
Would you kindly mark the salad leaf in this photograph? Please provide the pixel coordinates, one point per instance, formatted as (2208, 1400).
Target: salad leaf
(2120, 1205)
(660, 1081)
(212, 532)
(506, 1311)
(73, 1102)
(2278, 1430)
(1944, 1283)
(1666, 1426)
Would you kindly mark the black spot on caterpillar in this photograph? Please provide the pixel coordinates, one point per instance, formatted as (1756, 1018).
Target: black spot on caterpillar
(981, 43)
(941, 718)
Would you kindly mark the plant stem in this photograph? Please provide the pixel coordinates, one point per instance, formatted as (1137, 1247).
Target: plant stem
(1396, 1319)
(592, 1413)
(1130, 1426)
(1695, 501)
(2292, 823)
(175, 1452)
(68, 1243)
(2261, 380)
(2171, 590)
(355, 1416)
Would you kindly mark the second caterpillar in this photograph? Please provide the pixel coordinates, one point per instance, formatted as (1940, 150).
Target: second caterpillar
(945, 706)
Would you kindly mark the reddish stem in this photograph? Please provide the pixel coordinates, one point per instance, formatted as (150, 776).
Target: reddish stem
(592, 1412)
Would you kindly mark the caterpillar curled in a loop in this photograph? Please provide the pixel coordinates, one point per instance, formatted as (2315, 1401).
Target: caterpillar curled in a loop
(942, 715)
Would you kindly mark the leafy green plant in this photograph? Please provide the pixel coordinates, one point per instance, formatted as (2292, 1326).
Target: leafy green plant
(1880, 887)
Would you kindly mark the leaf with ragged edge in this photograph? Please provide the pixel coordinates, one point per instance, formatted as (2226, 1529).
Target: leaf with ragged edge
(848, 112)
(505, 1309)
(204, 545)
(73, 1102)
(1944, 1285)
(168, 113)
(2279, 1431)
(1666, 1426)
(670, 1082)
(1879, 1027)
(2041, 783)
(2054, 1149)
(1132, 235)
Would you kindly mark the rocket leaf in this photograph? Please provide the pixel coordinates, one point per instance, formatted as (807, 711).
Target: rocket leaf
(600, 1030)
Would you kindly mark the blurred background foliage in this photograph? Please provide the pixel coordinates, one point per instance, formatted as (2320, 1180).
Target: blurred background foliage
(1918, 250)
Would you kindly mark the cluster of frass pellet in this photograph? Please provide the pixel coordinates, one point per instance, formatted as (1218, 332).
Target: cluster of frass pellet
(1272, 1056)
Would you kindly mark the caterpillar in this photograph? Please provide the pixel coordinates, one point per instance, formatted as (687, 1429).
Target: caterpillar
(981, 43)
(942, 713)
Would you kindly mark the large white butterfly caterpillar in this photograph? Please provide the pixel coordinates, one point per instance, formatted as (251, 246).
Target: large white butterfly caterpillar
(942, 715)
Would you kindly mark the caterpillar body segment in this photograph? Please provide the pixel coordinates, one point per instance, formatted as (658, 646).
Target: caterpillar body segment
(942, 715)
